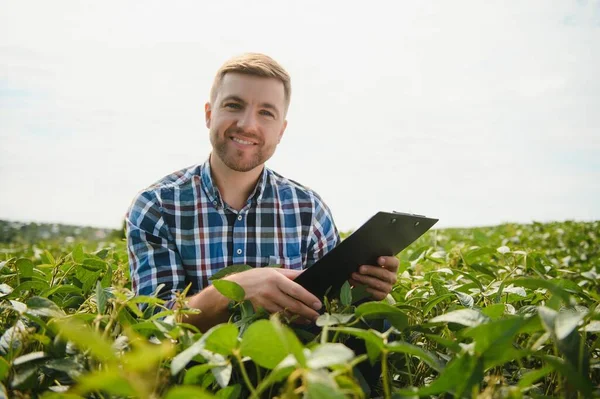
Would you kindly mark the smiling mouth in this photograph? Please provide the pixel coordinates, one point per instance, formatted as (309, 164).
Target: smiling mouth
(241, 141)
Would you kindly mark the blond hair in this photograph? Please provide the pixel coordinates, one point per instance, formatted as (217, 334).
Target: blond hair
(254, 64)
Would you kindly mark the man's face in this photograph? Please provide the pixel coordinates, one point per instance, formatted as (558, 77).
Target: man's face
(246, 120)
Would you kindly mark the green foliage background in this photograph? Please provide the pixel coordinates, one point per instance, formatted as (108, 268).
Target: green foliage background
(510, 311)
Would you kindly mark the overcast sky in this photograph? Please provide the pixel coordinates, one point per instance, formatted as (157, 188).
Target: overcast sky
(476, 113)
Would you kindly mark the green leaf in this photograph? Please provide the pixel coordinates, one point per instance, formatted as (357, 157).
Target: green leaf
(25, 267)
(29, 358)
(107, 278)
(534, 283)
(47, 258)
(183, 358)
(494, 311)
(465, 299)
(425, 356)
(88, 278)
(226, 271)
(290, 340)
(151, 300)
(25, 378)
(108, 380)
(223, 339)
(578, 380)
(592, 327)
(67, 365)
(328, 354)
(61, 395)
(230, 290)
(434, 301)
(478, 253)
(466, 317)
(563, 327)
(145, 356)
(77, 254)
(101, 298)
(94, 264)
(85, 338)
(103, 253)
(39, 306)
(262, 343)
(187, 392)
(480, 238)
(194, 374)
(459, 376)
(438, 287)
(61, 289)
(222, 374)
(379, 310)
(346, 294)
(373, 341)
(5, 290)
(418, 252)
(4, 368)
(566, 322)
(32, 285)
(332, 319)
(198, 347)
(483, 269)
(318, 390)
(231, 392)
(494, 340)
(529, 378)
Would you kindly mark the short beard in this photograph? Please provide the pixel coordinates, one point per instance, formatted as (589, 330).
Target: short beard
(235, 163)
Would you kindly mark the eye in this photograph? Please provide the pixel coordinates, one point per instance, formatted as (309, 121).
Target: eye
(233, 106)
(267, 113)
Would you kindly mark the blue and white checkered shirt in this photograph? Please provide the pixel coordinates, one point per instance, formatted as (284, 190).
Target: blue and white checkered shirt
(179, 230)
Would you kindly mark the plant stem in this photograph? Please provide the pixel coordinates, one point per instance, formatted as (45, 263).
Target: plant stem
(245, 374)
(384, 372)
(65, 274)
(324, 334)
(410, 376)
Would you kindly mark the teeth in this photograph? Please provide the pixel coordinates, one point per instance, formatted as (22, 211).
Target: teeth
(241, 141)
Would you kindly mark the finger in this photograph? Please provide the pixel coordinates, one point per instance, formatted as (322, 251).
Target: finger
(373, 282)
(353, 282)
(379, 272)
(295, 306)
(299, 293)
(302, 321)
(269, 306)
(289, 273)
(391, 263)
(378, 295)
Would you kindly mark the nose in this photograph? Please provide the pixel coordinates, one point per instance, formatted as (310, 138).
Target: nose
(248, 121)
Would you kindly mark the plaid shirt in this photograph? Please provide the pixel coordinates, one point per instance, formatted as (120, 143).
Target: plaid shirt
(179, 230)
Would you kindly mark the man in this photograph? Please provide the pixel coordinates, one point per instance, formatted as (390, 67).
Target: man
(234, 210)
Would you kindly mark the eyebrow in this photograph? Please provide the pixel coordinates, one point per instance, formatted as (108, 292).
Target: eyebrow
(240, 100)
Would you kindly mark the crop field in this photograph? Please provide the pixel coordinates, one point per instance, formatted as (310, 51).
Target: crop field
(510, 311)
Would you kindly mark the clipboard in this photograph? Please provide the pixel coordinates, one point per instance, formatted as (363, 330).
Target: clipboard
(384, 234)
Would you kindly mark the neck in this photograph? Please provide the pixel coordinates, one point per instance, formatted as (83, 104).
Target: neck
(235, 187)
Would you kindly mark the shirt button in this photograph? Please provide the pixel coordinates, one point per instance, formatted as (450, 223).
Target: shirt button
(240, 217)
(214, 202)
(239, 251)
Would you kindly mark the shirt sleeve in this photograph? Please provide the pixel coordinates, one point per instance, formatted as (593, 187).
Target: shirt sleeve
(324, 235)
(153, 256)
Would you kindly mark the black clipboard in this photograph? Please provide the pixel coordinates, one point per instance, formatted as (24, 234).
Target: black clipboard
(384, 234)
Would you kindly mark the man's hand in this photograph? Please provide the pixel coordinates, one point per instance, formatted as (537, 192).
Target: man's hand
(274, 290)
(378, 279)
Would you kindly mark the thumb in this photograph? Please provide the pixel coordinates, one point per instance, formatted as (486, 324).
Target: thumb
(289, 273)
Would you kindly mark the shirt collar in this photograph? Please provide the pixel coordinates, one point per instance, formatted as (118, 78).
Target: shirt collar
(212, 191)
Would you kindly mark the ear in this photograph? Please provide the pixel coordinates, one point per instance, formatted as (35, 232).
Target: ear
(207, 114)
(282, 131)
